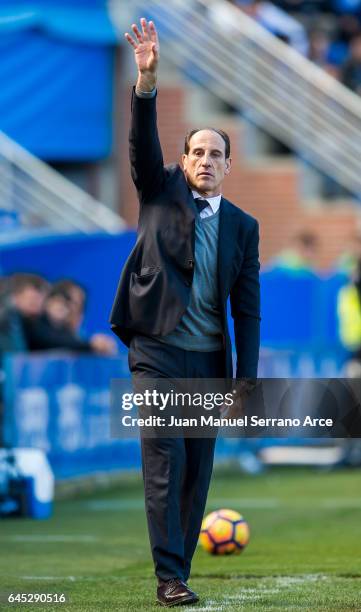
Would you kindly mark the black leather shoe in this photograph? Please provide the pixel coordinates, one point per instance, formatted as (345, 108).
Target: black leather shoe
(174, 592)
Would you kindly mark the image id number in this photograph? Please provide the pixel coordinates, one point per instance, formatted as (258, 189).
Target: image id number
(36, 598)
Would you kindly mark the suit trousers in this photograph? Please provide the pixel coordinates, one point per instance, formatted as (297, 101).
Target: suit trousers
(176, 471)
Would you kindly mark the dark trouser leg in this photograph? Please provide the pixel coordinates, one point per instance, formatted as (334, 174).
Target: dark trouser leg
(199, 457)
(176, 471)
(163, 469)
(163, 463)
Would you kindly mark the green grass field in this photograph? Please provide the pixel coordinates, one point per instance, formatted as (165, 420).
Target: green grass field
(305, 549)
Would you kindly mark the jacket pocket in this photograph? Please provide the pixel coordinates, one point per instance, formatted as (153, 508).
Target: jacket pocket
(147, 271)
(145, 284)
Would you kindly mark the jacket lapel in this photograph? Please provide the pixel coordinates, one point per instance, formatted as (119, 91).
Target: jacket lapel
(227, 236)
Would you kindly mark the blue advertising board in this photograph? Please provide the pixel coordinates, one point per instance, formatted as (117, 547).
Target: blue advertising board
(60, 404)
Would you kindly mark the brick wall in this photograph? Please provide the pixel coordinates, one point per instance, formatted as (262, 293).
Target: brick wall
(267, 190)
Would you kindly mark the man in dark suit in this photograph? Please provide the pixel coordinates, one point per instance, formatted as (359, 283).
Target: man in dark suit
(194, 250)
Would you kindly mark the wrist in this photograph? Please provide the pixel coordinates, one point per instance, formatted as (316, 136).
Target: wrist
(146, 82)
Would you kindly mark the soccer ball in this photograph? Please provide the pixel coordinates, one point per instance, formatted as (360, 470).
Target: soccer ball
(224, 532)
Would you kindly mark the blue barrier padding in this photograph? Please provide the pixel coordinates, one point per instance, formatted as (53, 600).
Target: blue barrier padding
(60, 404)
(282, 303)
(299, 311)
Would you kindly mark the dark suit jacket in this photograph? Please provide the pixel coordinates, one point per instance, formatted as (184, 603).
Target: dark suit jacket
(155, 284)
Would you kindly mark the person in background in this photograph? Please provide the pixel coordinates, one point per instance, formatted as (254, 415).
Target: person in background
(349, 319)
(348, 26)
(76, 311)
(52, 330)
(271, 17)
(22, 297)
(77, 296)
(28, 293)
(348, 260)
(278, 22)
(351, 69)
(319, 51)
(301, 256)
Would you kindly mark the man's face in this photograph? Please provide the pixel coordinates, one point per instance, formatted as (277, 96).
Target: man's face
(29, 301)
(58, 309)
(205, 166)
(356, 49)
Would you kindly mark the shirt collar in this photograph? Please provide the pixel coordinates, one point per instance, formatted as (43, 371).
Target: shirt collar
(213, 202)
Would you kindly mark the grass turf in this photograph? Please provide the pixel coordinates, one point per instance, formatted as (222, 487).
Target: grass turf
(305, 549)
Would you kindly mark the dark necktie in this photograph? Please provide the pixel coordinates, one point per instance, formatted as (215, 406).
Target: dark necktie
(201, 204)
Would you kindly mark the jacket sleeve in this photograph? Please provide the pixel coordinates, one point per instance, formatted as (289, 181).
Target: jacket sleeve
(145, 153)
(245, 309)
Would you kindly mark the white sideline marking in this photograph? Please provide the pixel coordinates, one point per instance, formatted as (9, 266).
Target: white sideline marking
(115, 504)
(246, 597)
(71, 578)
(246, 502)
(286, 582)
(246, 594)
(257, 593)
(138, 504)
(210, 606)
(42, 538)
(206, 609)
(341, 503)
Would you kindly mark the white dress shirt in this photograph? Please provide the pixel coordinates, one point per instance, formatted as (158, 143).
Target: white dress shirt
(214, 204)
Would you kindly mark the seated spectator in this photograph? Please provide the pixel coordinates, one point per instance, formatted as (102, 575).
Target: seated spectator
(51, 330)
(348, 26)
(351, 69)
(278, 22)
(23, 296)
(319, 51)
(300, 256)
(319, 43)
(77, 295)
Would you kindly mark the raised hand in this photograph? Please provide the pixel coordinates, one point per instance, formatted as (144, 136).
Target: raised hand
(146, 52)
